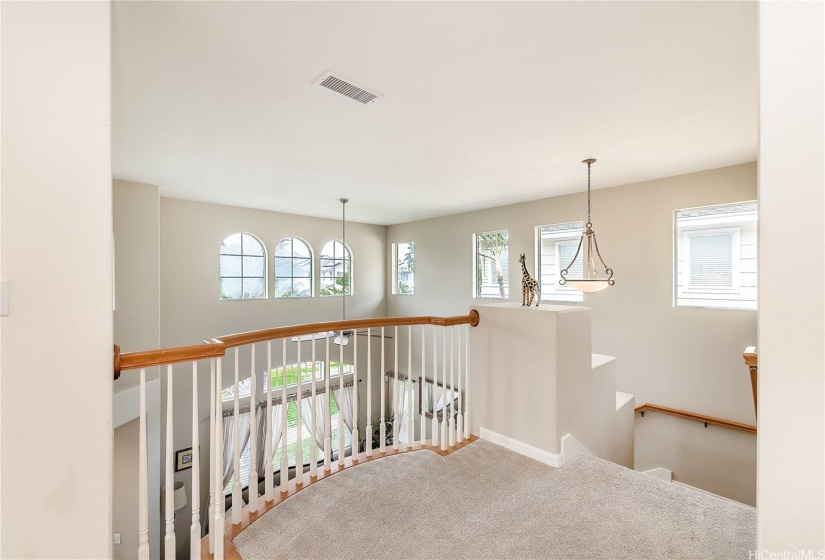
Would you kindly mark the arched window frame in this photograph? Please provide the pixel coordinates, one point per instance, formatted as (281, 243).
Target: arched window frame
(292, 277)
(330, 289)
(241, 276)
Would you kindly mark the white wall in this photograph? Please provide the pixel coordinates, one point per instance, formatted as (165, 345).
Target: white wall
(56, 251)
(791, 324)
(677, 357)
(136, 215)
(190, 238)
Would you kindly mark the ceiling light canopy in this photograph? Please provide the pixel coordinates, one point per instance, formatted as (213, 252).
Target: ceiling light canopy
(590, 281)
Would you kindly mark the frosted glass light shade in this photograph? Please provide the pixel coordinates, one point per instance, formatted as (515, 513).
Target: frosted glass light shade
(341, 340)
(589, 285)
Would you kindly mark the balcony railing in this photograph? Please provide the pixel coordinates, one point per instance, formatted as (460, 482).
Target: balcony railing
(417, 348)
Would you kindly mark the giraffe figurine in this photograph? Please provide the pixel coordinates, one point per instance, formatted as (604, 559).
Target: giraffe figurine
(529, 286)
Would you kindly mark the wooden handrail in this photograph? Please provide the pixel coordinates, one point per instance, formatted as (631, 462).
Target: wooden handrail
(751, 358)
(697, 417)
(217, 347)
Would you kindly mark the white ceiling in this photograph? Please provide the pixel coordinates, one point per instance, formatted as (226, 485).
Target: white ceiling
(483, 103)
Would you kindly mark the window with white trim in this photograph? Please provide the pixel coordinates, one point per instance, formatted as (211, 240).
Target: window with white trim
(403, 255)
(293, 268)
(336, 269)
(557, 245)
(242, 267)
(491, 266)
(715, 256)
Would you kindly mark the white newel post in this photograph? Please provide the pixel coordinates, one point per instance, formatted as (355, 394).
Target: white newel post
(409, 389)
(459, 433)
(434, 426)
(237, 488)
(396, 377)
(253, 435)
(169, 506)
(216, 525)
(443, 435)
(341, 426)
(313, 444)
(327, 411)
(451, 426)
(195, 530)
(369, 393)
(268, 435)
(466, 419)
(284, 414)
(382, 430)
(299, 449)
(211, 514)
(143, 477)
(356, 449)
(422, 387)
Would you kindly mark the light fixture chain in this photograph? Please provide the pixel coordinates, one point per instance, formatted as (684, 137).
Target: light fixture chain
(589, 223)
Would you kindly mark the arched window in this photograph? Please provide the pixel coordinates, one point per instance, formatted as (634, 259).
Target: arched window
(243, 267)
(293, 268)
(336, 269)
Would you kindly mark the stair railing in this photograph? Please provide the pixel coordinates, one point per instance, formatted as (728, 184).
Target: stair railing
(447, 431)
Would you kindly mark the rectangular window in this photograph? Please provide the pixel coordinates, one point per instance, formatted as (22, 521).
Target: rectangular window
(491, 266)
(403, 255)
(557, 247)
(715, 256)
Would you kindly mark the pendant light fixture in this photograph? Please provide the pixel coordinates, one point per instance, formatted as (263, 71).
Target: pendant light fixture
(342, 339)
(590, 281)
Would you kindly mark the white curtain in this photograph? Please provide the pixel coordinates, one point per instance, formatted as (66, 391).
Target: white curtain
(320, 413)
(397, 393)
(275, 433)
(343, 396)
(228, 441)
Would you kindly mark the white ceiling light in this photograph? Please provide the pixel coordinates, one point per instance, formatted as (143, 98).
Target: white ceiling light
(590, 280)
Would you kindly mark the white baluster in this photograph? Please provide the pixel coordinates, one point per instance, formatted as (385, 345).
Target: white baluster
(466, 419)
(422, 387)
(252, 489)
(327, 412)
(341, 425)
(460, 418)
(382, 431)
(409, 389)
(268, 446)
(299, 450)
(143, 477)
(355, 388)
(313, 444)
(237, 488)
(216, 526)
(195, 529)
(443, 434)
(369, 393)
(396, 378)
(434, 426)
(211, 453)
(284, 413)
(169, 539)
(452, 387)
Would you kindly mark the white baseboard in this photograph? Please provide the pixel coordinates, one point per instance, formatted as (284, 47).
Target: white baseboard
(552, 459)
(570, 447)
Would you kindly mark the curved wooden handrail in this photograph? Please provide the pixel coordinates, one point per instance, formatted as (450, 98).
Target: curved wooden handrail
(217, 346)
(697, 417)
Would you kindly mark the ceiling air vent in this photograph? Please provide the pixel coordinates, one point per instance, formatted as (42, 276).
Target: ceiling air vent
(346, 88)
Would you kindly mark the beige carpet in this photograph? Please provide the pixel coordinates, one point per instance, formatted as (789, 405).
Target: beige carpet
(484, 501)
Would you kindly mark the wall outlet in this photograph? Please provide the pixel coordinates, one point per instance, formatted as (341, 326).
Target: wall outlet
(117, 538)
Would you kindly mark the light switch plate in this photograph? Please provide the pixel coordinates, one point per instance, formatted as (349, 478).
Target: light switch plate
(117, 538)
(4, 297)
